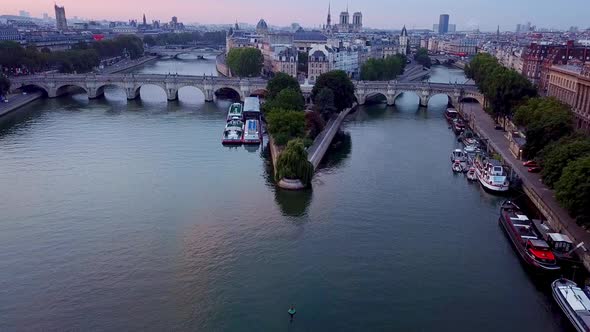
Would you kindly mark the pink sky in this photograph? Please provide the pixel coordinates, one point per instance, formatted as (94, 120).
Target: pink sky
(202, 11)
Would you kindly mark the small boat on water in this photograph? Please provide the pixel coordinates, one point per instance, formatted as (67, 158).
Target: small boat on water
(252, 132)
(533, 250)
(451, 114)
(233, 132)
(458, 126)
(574, 303)
(491, 174)
(457, 166)
(471, 176)
(458, 154)
(235, 111)
(561, 245)
(470, 149)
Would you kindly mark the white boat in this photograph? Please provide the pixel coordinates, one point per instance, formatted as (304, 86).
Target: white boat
(235, 111)
(457, 166)
(233, 132)
(469, 149)
(252, 132)
(491, 174)
(574, 303)
(471, 176)
(458, 154)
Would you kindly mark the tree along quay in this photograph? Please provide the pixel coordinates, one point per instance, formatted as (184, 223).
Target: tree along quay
(542, 198)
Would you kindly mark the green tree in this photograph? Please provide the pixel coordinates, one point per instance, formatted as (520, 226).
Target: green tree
(546, 120)
(4, 85)
(314, 124)
(383, 69)
(149, 40)
(341, 86)
(293, 164)
(324, 102)
(559, 156)
(245, 62)
(422, 57)
(573, 189)
(280, 82)
(285, 125)
(288, 98)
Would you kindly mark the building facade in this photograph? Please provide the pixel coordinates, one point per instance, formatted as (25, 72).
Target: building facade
(404, 42)
(345, 24)
(318, 61)
(571, 85)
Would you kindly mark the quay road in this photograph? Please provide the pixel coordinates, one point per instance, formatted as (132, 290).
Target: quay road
(18, 100)
(542, 196)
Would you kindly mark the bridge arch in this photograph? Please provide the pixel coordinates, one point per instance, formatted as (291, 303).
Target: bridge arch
(31, 86)
(191, 93)
(438, 97)
(472, 98)
(62, 89)
(233, 92)
(375, 97)
(149, 86)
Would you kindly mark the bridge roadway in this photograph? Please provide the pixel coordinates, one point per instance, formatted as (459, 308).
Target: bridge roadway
(176, 51)
(94, 84)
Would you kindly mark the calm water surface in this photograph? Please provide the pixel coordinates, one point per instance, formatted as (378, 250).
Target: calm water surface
(124, 215)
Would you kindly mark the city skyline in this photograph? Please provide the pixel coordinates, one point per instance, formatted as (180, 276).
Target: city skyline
(377, 14)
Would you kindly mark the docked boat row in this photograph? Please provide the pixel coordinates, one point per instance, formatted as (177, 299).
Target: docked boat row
(472, 160)
(243, 123)
(574, 302)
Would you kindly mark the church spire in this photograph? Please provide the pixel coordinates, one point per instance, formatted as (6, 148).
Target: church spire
(329, 20)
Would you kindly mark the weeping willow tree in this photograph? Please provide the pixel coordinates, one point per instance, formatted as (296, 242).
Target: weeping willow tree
(293, 163)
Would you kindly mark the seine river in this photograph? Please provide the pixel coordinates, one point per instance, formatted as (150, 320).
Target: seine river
(120, 216)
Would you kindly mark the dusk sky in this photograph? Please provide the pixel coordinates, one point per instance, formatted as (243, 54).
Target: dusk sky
(486, 14)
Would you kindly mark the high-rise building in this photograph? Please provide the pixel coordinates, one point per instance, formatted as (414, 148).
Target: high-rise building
(60, 18)
(443, 23)
(452, 28)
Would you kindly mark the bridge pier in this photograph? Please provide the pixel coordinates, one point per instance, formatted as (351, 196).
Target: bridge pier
(132, 93)
(424, 98)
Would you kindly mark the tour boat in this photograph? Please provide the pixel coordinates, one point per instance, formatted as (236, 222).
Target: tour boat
(574, 303)
(491, 175)
(252, 132)
(471, 176)
(562, 246)
(233, 132)
(533, 250)
(458, 154)
(235, 111)
(451, 114)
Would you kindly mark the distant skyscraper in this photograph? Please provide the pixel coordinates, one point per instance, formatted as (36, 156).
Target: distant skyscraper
(60, 18)
(443, 23)
(435, 27)
(452, 28)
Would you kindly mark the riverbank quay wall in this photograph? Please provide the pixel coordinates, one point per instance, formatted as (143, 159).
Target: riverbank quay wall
(541, 196)
(221, 66)
(135, 63)
(18, 101)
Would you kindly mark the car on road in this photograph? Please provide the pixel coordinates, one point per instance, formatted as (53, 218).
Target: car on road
(530, 163)
(534, 169)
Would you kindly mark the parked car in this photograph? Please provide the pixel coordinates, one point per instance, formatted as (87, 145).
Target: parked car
(530, 163)
(535, 169)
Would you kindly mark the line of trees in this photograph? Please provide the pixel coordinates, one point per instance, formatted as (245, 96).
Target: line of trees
(245, 62)
(4, 84)
(563, 154)
(383, 69)
(83, 57)
(504, 89)
(186, 38)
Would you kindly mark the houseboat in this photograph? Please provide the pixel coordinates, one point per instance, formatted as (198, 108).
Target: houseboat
(562, 246)
(252, 132)
(234, 112)
(533, 250)
(491, 174)
(574, 303)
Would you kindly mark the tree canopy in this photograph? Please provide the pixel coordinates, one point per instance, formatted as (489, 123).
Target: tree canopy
(324, 102)
(560, 155)
(422, 57)
(280, 82)
(288, 98)
(546, 120)
(341, 86)
(573, 189)
(293, 163)
(383, 69)
(503, 88)
(285, 125)
(245, 62)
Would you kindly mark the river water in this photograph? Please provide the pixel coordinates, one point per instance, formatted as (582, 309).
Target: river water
(122, 215)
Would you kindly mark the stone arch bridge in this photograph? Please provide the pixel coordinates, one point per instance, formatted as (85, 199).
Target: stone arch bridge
(177, 51)
(94, 85)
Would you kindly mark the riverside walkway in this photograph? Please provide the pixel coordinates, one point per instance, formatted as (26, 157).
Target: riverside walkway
(316, 152)
(542, 196)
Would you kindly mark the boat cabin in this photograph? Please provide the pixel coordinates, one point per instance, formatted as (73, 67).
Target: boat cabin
(458, 154)
(252, 108)
(560, 242)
